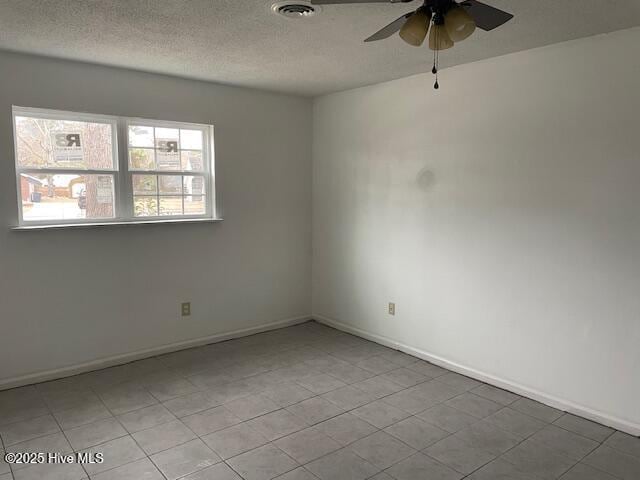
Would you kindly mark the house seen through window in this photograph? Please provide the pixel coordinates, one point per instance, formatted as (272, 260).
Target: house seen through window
(76, 168)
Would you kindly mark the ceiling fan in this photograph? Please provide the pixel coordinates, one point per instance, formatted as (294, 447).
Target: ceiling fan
(446, 21)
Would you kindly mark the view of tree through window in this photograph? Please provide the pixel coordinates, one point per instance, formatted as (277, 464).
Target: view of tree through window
(55, 156)
(68, 169)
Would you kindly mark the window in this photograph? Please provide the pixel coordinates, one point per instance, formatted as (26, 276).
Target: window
(170, 176)
(75, 168)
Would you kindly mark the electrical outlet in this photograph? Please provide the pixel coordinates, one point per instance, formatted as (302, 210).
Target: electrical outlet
(392, 308)
(186, 309)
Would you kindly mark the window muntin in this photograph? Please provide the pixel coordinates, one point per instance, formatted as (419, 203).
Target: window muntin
(68, 169)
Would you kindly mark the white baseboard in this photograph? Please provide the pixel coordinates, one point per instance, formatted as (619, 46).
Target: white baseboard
(550, 400)
(76, 369)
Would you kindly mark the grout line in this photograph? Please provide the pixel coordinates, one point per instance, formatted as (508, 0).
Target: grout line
(306, 343)
(4, 449)
(583, 436)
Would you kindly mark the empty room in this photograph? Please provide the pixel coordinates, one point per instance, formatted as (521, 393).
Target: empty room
(319, 240)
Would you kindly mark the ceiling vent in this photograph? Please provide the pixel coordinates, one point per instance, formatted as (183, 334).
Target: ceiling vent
(295, 9)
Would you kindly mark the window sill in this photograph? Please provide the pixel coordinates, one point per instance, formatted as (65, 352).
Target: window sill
(115, 224)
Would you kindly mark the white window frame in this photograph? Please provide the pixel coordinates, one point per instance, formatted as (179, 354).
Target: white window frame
(122, 175)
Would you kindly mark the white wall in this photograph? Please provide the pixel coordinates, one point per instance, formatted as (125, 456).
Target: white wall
(501, 214)
(74, 296)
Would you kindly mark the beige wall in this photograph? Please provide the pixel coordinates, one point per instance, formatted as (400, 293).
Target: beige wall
(74, 296)
(501, 214)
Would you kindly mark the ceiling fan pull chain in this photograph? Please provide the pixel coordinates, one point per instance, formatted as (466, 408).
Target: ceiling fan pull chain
(434, 70)
(436, 58)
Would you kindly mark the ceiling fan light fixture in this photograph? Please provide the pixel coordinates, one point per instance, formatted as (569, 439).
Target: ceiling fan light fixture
(459, 24)
(439, 39)
(415, 29)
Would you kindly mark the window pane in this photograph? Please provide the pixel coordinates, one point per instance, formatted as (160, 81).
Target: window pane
(145, 185)
(142, 159)
(168, 145)
(67, 197)
(145, 206)
(170, 184)
(168, 160)
(191, 139)
(193, 185)
(166, 134)
(192, 161)
(195, 205)
(167, 138)
(46, 143)
(140, 136)
(170, 205)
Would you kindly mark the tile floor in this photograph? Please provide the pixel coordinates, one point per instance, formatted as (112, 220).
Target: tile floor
(301, 403)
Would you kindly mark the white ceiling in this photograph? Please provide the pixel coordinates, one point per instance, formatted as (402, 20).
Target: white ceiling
(241, 42)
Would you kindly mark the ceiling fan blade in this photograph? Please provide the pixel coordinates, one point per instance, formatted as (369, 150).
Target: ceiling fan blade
(338, 2)
(486, 17)
(390, 29)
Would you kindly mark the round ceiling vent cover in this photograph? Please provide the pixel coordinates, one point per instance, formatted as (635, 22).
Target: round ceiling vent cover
(295, 9)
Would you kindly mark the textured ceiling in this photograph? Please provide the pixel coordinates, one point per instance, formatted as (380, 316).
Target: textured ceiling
(241, 42)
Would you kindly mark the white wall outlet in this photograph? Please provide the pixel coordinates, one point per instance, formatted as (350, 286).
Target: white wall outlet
(392, 308)
(186, 309)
